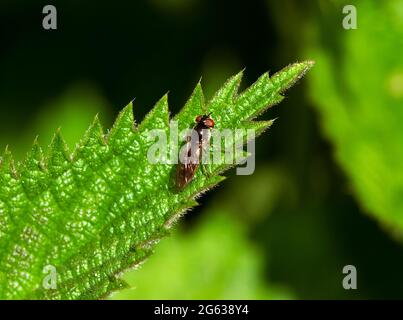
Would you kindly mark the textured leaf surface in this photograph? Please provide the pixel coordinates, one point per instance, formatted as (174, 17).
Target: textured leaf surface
(98, 210)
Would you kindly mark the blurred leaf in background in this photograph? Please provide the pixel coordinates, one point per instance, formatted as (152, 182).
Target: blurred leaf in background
(310, 241)
(251, 199)
(214, 260)
(358, 90)
(72, 112)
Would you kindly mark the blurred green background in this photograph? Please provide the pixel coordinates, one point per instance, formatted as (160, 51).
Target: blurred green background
(328, 186)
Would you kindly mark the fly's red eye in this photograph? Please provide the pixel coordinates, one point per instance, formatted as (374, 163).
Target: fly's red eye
(198, 118)
(209, 122)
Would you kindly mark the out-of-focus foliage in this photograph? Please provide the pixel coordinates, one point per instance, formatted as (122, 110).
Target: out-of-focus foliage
(326, 226)
(358, 91)
(213, 260)
(252, 198)
(72, 112)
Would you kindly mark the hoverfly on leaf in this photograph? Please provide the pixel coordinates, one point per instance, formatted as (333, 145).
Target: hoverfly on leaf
(191, 155)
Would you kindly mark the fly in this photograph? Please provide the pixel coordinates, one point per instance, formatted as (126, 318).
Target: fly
(190, 157)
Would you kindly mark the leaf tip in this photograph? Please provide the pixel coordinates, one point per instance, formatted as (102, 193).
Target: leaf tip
(58, 148)
(124, 120)
(289, 75)
(7, 162)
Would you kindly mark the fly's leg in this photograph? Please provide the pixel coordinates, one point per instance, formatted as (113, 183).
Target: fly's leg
(205, 170)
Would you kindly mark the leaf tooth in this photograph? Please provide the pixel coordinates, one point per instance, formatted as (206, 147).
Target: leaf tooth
(105, 287)
(133, 260)
(58, 154)
(174, 217)
(208, 184)
(124, 124)
(158, 117)
(7, 164)
(266, 91)
(258, 126)
(35, 158)
(117, 284)
(223, 101)
(93, 138)
(34, 163)
(242, 156)
(260, 89)
(94, 134)
(112, 289)
(275, 99)
(9, 188)
(33, 173)
(287, 76)
(226, 94)
(148, 244)
(193, 107)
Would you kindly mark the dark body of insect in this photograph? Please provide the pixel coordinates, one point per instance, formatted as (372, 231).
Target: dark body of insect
(190, 157)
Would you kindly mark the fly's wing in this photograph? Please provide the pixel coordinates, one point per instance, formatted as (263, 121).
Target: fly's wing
(188, 162)
(184, 174)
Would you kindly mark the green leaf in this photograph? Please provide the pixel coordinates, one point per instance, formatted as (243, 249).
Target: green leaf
(98, 210)
(359, 96)
(231, 270)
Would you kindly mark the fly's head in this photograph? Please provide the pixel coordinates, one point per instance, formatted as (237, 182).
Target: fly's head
(205, 120)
